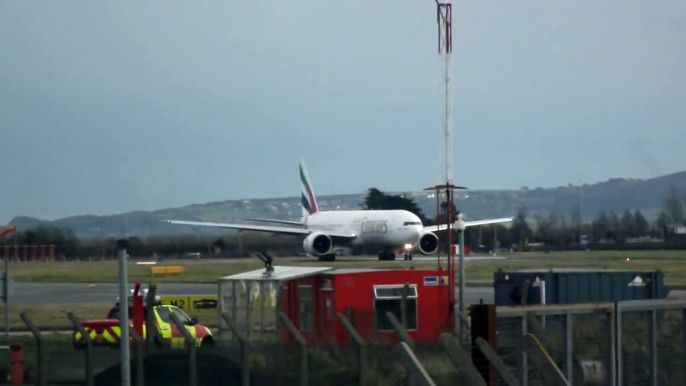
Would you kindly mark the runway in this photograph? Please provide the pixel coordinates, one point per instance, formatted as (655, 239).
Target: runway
(70, 293)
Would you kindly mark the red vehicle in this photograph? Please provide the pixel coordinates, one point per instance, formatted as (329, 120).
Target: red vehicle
(106, 332)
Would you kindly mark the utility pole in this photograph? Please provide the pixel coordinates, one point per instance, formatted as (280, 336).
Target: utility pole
(124, 315)
(7, 285)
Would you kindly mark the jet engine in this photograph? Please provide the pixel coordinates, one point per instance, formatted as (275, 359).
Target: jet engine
(428, 243)
(318, 244)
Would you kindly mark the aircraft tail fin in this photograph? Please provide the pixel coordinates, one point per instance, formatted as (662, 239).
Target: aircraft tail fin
(308, 201)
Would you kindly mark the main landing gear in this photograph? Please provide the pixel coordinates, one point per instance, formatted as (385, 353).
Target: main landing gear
(408, 256)
(386, 256)
(329, 257)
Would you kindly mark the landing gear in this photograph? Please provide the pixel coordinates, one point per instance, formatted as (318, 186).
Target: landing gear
(386, 256)
(408, 256)
(329, 257)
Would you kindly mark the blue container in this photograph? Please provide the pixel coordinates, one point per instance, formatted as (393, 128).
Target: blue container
(570, 286)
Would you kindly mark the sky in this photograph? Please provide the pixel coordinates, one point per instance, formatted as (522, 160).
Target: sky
(109, 107)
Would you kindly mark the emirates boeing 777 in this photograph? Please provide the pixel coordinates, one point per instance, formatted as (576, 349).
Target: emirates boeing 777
(387, 230)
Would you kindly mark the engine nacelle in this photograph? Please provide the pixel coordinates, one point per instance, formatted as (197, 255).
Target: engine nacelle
(428, 243)
(318, 244)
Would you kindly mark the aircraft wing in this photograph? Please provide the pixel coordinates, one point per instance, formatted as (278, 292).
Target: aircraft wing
(485, 222)
(435, 228)
(262, 228)
(298, 223)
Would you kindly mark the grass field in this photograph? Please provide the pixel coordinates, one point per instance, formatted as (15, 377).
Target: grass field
(673, 263)
(54, 343)
(51, 317)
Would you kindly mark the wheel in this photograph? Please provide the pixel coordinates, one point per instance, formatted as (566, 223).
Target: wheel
(330, 257)
(382, 257)
(406, 257)
(391, 256)
(207, 342)
(410, 256)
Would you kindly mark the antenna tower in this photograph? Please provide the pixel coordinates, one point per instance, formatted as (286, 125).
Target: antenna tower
(445, 49)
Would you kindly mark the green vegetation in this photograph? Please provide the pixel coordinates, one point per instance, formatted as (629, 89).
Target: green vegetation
(54, 343)
(673, 263)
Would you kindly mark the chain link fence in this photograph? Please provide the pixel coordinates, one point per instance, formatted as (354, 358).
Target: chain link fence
(625, 343)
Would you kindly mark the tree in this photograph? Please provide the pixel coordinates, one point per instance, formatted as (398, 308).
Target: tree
(520, 231)
(543, 229)
(378, 200)
(627, 225)
(601, 225)
(674, 207)
(662, 223)
(577, 222)
(641, 225)
(375, 199)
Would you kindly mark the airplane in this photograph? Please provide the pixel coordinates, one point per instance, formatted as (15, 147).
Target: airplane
(386, 230)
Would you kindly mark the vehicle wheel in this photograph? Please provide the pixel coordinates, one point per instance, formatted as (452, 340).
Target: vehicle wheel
(382, 257)
(410, 256)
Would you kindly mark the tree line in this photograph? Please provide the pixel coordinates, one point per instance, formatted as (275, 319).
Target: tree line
(552, 231)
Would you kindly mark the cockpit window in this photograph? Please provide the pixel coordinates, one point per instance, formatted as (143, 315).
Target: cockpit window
(412, 223)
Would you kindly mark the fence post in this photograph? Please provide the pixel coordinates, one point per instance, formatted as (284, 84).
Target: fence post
(151, 331)
(89, 346)
(416, 373)
(244, 345)
(537, 353)
(484, 325)
(41, 379)
(652, 349)
(140, 379)
(192, 360)
(569, 345)
(465, 325)
(496, 362)
(351, 319)
(304, 370)
(402, 333)
(361, 346)
(460, 359)
(403, 305)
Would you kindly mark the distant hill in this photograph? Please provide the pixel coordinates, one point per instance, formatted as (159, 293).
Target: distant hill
(615, 194)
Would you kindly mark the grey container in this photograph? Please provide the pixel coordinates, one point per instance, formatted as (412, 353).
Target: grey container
(570, 286)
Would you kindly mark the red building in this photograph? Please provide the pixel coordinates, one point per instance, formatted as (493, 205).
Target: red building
(313, 296)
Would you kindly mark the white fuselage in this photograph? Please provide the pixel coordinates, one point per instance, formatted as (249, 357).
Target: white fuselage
(384, 228)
